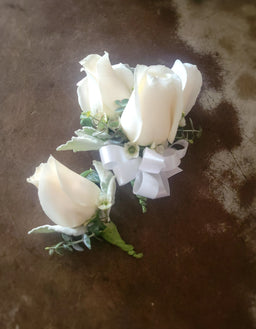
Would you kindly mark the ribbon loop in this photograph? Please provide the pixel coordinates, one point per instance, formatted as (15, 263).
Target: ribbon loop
(113, 157)
(151, 172)
(151, 185)
(126, 171)
(152, 161)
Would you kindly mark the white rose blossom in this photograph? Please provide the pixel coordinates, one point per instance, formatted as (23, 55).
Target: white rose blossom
(67, 198)
(103, 85)
(159, 98)
(191, 79)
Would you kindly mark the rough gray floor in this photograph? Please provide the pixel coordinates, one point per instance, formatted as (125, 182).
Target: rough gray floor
(198, 269)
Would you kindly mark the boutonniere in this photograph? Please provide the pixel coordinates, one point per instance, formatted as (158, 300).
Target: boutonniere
(137, 119)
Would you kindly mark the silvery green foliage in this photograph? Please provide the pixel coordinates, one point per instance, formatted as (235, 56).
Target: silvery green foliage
(59, 229)
(85, 141)
(107, 185)
(97, 131)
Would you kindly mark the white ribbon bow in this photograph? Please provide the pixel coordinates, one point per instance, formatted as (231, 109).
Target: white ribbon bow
(151, 172)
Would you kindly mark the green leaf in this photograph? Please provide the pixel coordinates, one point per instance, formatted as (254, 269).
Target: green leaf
(112, 236)
(142, 200)
(200, 132)
(188, 132)
(68, 243)
(66, 237)
(76, 231)
(85, 121)
(118, 102)
(113, 124)
(77, 247)
(119, 110)
(100, 132)
(191, 123)
(105, 176)
(51, 252)
(58, 252)
(85, 143)
(101, 125)
(107, 185)
(92, 175)
(101, 135)
(121, 105)
(67, 247)
(143, 203)
(124, 101)
(96, 226)
(85, 131)
(87, 241)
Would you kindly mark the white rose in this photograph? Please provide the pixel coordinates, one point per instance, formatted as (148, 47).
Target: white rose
(67, 198)
(155, 107)
(191, 79)
(103, 85)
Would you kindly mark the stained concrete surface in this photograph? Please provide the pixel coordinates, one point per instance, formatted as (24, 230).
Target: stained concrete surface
(198, 269)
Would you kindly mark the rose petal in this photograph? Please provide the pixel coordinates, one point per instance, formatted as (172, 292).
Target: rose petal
(154, 109)
(89, 64)
(55, 196)
(124, 74)
(103, 85)
(79, 189)
(111, 86)
(176, 108)
(131, 119)
(89, 96)
(36, 177)
(191, 83)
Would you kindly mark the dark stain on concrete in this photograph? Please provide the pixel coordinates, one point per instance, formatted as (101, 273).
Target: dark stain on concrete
(14, 6)
(252, 26)
(227, 44)
(246, 86)
(234, 6)
(220, 128)
(247, 192)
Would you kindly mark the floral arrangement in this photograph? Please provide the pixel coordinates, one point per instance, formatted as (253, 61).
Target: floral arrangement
(137, 119)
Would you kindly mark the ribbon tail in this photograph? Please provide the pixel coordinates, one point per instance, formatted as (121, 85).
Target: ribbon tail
(126, 171)
(113, 157)
(173, 172)
(151, 186)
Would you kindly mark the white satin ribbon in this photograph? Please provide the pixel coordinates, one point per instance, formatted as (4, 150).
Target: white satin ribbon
(151, 172)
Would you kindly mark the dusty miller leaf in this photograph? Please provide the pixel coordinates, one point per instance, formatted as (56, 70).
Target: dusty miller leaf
(82, 143)
(108, 186)
(104, 175)
(92, 175)
(59, 229)
(77, 247)
(87, 241)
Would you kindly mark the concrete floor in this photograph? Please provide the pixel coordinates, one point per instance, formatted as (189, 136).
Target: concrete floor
(198, 269)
